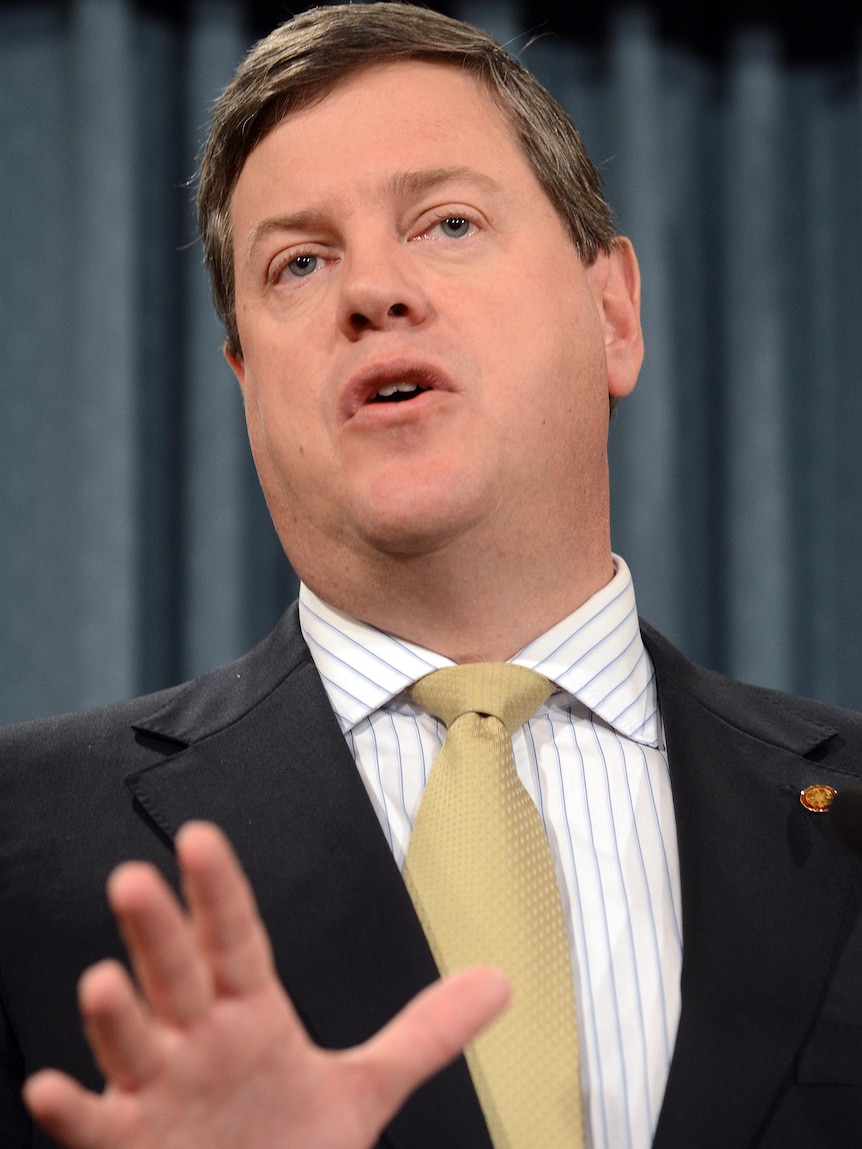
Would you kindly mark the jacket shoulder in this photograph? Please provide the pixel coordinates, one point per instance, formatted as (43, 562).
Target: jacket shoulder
(772, 716)
(176, 713)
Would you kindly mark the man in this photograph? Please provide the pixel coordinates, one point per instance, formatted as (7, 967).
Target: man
(430, 317)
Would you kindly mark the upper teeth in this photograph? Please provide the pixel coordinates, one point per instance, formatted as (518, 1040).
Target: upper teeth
(391, 388)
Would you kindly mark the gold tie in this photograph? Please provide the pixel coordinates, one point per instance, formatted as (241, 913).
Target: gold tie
(481, 877)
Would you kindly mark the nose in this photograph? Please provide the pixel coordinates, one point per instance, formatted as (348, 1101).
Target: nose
(380, 291)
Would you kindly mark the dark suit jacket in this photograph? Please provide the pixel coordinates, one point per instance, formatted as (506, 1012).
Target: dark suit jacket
(769, 1052)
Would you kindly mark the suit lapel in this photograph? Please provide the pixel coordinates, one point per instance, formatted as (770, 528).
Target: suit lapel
(267, 762)
(765, 898)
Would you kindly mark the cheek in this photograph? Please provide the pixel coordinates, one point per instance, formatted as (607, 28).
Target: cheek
(276, 424)
(297, 464)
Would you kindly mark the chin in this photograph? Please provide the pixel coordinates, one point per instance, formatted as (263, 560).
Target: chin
(423, 531)
(407, 540)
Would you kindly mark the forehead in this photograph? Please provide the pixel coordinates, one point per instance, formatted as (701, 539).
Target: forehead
(421, 87)
(389, 117)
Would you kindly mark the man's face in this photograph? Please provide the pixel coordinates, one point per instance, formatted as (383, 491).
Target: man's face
(423, 352)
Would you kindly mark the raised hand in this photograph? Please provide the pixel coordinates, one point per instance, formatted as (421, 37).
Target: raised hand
(209, 1053)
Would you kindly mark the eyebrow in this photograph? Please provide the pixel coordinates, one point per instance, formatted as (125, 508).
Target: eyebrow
(426, 179)
(402, 184)
(297, 221)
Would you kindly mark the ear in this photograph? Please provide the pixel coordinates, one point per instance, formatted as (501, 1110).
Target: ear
(616, 283)
(236, 363)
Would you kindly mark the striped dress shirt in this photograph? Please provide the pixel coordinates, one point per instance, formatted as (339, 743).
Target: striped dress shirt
(593, 761)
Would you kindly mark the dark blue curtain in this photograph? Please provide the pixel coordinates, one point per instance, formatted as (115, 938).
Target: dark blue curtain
(135, 549)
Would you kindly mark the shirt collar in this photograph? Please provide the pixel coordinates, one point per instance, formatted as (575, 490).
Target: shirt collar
(595, 656)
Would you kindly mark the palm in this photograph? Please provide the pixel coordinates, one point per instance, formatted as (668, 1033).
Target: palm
(211, 1055)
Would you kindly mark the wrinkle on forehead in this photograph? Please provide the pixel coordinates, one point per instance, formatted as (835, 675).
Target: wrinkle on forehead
(406, 184)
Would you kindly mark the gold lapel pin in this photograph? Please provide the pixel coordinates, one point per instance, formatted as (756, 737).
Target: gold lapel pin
(817, 799)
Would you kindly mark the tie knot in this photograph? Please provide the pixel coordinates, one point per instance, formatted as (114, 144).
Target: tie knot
(508, 692)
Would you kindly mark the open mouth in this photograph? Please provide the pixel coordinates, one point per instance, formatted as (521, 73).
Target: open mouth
(397, 393)
(392, 381)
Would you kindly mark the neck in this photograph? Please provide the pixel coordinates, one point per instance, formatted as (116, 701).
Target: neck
(478, 607)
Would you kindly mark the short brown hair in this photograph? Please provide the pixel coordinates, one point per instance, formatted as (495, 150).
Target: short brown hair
(306, 57)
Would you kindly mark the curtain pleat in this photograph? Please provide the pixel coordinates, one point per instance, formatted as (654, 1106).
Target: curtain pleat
(135, 547)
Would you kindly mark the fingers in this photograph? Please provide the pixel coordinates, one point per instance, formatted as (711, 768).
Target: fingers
(227, 926)
(69, 1113)
(181, 960)
(434, 1028)
(170, 970)
(120, 1035)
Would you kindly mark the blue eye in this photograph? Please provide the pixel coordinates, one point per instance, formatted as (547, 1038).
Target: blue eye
(303, 265)
(455, 226)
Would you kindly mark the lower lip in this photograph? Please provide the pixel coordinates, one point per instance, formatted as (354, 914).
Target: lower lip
(399, 413)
